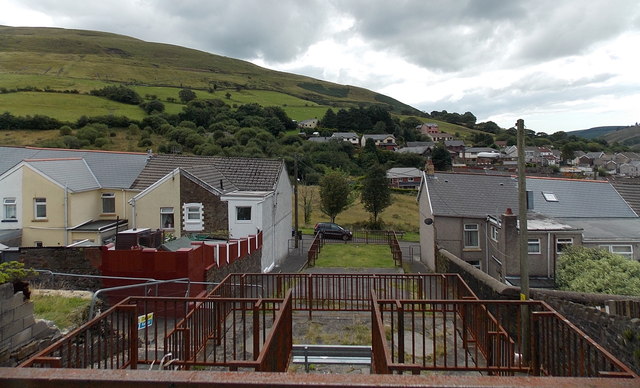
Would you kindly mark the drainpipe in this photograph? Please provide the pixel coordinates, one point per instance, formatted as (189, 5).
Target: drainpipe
(549, 255)
(133, 212)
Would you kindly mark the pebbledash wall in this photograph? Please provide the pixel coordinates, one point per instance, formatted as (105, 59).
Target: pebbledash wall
(20, 334)
(618, 334)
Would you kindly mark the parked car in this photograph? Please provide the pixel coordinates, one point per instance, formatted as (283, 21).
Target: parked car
(331, 230)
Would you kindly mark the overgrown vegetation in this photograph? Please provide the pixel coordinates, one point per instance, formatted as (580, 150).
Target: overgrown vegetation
(595, 270)
(65, 312)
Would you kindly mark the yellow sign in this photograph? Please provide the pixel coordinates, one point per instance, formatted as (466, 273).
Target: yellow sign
(145, 321)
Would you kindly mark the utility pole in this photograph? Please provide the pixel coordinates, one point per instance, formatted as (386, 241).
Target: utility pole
(295, 197)
(523, 243)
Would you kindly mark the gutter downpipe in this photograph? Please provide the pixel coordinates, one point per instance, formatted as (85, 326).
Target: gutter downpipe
(133, 213)
(549, 256)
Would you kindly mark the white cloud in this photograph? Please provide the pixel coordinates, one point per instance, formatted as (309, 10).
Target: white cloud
(562, 65)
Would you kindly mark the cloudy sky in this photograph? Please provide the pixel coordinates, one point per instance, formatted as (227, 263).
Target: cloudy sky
(558, 64)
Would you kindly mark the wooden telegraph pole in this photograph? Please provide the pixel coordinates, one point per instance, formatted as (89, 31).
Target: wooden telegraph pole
(523, 243)
(295, 197)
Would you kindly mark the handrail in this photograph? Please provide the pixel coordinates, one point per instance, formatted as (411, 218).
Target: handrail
(156, 282)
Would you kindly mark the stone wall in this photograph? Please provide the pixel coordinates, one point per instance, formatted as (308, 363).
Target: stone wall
(215, 211)
(247, 264)
(81, 261)
(20, 334)
(618, 334)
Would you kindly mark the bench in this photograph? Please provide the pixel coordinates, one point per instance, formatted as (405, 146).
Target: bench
(331, 354)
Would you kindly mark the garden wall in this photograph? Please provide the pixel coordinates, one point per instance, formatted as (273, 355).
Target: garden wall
(20, 334)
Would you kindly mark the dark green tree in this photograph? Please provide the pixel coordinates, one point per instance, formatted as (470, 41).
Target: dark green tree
(376, 194)
(583, 269)
(441, 158)
(186, 95)
(335, 193)
(153, 106)
(329, 119)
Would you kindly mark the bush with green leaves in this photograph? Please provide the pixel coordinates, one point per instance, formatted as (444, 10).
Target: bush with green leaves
(595, 270)
(13, 271)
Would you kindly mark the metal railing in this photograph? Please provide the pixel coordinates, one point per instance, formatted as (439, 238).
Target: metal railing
(388, 237)
(419, 322)
(342, 292)
(482, 336)
(209, 333)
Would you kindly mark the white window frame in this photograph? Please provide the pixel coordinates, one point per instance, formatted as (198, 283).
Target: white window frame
(9, 203)
(616, 249)
(549, 197)
(494, 233)
(532, 242)
(108, 198)
(193, 216)
(244, 220)
(39, 202)
(164, 213)
(564, 242)
(471, 229)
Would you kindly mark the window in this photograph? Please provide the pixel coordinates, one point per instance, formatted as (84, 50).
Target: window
(550, 197)
(108, 203)
(494, 233)
(243, 213)
(622, 250)
(193, 217)
(166, 218)
(534, 246)
(471, 239)
(10, 212)
(40, 208)
(563, 243)
(38, 244)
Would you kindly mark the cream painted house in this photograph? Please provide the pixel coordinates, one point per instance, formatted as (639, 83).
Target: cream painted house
(55, 197)
(216, 197)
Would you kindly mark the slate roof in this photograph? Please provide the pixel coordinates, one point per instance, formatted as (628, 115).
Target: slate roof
(212, 177)
(403, 172)
(472, 195)
(578, 198)
(630, 192)
(609, 230)
(344, 135)
(420, 150)
(421, 144)
(482, 195)
(454, 143)
(111, 169)
(247, 174)
(74, 174)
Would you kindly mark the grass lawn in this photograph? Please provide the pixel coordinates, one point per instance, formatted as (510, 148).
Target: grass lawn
(352, 255)
(63, 311)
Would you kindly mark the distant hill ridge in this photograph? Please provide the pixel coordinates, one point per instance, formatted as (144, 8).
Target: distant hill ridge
(49, 57)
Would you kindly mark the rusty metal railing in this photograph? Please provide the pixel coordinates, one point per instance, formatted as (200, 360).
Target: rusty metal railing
(342, 292)
(213, 333)
(314, 250)
(410, 336)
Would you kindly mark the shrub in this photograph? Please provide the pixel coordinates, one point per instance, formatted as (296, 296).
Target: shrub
(13, 271)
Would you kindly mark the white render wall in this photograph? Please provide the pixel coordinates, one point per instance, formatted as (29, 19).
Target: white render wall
(11, 187)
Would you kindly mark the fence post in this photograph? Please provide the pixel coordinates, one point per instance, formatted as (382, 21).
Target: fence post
(310, 294)
(400, 332)
(535, 360)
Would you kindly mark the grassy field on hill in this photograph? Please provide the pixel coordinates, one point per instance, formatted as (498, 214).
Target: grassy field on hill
(73, 59)
(66, 107)
(402, 215)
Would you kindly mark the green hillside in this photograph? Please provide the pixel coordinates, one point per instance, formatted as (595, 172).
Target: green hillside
(58, 59)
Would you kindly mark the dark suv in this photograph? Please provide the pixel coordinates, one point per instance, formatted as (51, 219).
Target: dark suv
(331, 230)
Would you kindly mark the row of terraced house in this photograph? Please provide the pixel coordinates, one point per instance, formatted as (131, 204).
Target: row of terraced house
(55, 197)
